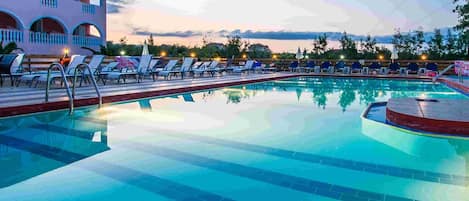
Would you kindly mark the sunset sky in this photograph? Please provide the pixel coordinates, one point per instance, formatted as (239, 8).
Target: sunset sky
(281, 24)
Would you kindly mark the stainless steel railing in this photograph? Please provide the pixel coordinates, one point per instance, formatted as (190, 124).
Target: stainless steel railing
(64, 80)
(81, 69)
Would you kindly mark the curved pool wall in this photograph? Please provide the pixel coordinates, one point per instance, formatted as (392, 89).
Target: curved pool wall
(295, 139)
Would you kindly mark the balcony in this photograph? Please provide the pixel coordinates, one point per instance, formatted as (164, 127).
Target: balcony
(50, 3)
(88, 8)
(48, 38)
(11, 35)
(86, 41)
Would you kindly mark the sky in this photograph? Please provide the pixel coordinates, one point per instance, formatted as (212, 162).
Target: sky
(281, 24)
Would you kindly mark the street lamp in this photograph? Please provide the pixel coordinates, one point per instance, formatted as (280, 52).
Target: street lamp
(424, 57)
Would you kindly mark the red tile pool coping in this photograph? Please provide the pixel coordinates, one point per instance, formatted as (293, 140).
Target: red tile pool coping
(43, 107)
(441, 116)
(456, 85)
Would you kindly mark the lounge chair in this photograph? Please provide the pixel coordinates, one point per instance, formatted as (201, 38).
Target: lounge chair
(201, 69)
(375, 66)
(395, 68)
(75, 61)
(412, 68)
(269, 68)
(246, 68)
(340, 66)
(182, 70)
(294, 66)
(6, 62)
(310, 66)
(102, 72)
(431, 67)
(213, 68)
(124, 73)
(356, 66)
(166, 72)
(95, 64)
(15, 70)
(324, 67)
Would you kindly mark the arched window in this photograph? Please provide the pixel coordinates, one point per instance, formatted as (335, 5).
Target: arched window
(7, 21)
(87, 35)
(88, 30)
(47, 25)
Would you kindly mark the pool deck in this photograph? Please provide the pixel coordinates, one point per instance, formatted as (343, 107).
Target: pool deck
(24, 100)
(445, 116)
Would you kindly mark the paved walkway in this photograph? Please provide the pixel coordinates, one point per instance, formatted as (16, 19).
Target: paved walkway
(24, 95)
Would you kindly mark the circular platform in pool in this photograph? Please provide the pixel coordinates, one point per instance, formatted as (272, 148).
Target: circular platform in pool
(446, 116)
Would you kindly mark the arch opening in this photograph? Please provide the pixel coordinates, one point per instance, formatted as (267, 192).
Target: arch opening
(8, 21)
(47, 25)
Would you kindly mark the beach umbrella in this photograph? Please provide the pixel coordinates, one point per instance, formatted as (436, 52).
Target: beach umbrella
(394, 55)
(145, 49)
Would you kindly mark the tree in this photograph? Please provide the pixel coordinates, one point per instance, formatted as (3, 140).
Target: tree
(151, 41)
(320, 45)
(436, 45)
(8, 48)
(233, 46)
(368, 47)
(349, 47)
(462, 9)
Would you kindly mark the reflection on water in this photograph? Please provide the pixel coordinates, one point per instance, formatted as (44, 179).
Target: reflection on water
(347, 90)
(33, 145)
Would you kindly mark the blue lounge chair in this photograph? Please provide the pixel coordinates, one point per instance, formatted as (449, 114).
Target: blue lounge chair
(310, 66)
(340, 66)
(293, 66)
(412, 68)
(327, 66)
(431, 67)
(375, 66)
(356, 66)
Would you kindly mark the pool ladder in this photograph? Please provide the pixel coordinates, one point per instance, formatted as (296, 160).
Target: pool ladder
(460, 78)
(71, 92)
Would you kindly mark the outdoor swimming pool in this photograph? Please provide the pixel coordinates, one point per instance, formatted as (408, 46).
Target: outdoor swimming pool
(296, 139)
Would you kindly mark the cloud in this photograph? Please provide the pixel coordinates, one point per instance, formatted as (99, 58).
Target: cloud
(272, 35)
(114, 6)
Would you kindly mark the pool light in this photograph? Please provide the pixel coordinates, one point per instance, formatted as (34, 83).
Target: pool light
(381, 57)
(342, 57)
(163, 53)
(193, 55)
(122, 52)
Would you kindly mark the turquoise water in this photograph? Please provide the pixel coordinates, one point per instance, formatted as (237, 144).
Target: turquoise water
(297, 139)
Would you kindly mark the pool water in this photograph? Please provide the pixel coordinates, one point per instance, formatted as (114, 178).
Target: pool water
(295, 139)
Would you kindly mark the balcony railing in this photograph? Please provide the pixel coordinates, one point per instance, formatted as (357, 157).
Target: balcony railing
(88, 8)
(11, 35)
(49, 3)
(48, 38)
(86, 41)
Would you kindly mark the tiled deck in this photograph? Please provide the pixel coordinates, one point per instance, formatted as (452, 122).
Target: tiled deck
(23, 99)
(436, 116)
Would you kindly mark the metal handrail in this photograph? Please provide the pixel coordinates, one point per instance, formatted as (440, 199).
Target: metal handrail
(446, 70)
(64, 79)
(79, 69)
